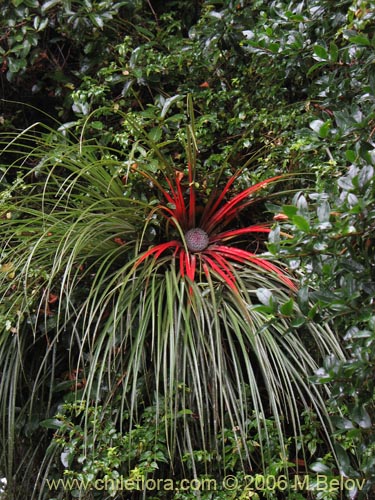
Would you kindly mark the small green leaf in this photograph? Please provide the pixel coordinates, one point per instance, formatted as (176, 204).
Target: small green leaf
(333, 52)
(36, 22)
(324, 211)
(303, 299)
(316, 66)
(168, 103)
(298, 322)
(290, 210)
(185, 412)
(265, 296)
(155, 134)
(320, 127)
(267, 310)
(343, 460)
(287, 308)
(97, 20)
(51, 423)
(345, 183)
(49, 5)
(322, 377)
(312, 312)
(301, 223)
(320, 53)
(274, 248)
(16, 65)
(320, 467)
(365, 175)
(351, 155)
(324, 129)
(342, 423)
(274, 235)
(315, 125)
(274, 47)
(294, 17)
(360, 40)
(97, 125)
(361, 417)
(66, 458)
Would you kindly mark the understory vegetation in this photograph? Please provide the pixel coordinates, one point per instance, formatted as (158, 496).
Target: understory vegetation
(187, 272)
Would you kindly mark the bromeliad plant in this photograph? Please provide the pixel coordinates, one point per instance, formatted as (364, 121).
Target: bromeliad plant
(203, 239)
(125, 285)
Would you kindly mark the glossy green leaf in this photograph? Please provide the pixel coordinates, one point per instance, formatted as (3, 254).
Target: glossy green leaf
(265, 296)
(361, 416)
(301, 223)
(320, 468)
(360, 40)
(287, 308)
(290, 210)
(333, 52)
(51, 423)
(321, 53)
(324, 211)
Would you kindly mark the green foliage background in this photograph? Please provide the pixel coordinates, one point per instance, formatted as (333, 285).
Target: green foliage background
(277, 86)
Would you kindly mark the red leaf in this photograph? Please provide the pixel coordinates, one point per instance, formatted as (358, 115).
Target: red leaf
(190, 262)
(176, 198)
(221, 267)
(157, 250)
(52, 298)
(213, 203)
(243, 255)
(119, 241)
(182, 262)
(227, 235)
(224, 213)
(154, 181)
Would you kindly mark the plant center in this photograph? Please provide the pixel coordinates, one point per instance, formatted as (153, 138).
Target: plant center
(196, 239)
